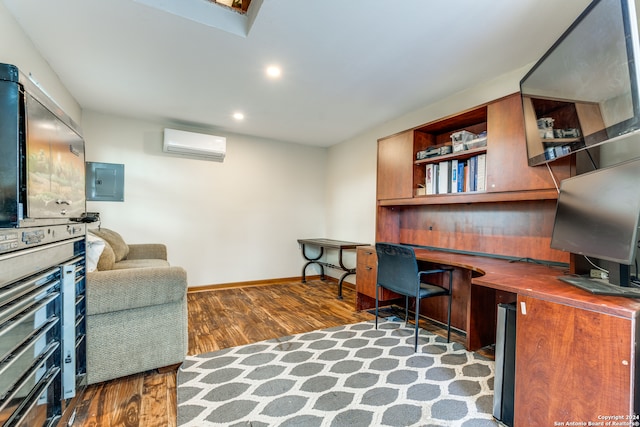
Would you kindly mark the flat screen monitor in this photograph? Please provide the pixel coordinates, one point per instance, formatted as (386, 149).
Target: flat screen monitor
(597, 214)
(585, 90)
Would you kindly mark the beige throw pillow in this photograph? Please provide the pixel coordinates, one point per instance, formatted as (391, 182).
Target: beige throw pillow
(115, 240)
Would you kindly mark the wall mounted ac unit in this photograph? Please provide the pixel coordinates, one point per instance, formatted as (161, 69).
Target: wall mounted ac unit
(198, 145)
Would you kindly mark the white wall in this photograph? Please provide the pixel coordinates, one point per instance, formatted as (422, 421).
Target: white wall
(234, 221)
(17, 49)
(351, 171)
(239, 220)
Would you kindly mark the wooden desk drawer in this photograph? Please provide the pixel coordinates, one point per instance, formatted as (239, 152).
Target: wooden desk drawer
(366, 274)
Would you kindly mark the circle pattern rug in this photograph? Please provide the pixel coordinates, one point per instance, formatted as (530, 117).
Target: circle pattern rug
(352, 375)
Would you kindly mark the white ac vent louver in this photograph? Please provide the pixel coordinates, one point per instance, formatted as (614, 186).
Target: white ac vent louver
(197, 145)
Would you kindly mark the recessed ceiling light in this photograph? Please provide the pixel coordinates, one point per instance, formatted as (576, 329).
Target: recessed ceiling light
(273, 71)
(238, 116)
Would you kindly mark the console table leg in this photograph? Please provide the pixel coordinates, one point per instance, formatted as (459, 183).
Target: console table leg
(304, 277)
(311, 261)
(340, 285)
(348, 271)
(304, 269)
(329, 244)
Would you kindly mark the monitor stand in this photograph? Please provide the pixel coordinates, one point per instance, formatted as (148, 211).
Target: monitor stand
(619, 274)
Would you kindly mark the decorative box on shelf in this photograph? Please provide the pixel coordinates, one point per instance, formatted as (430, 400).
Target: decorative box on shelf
(458, 140)
(437, 150)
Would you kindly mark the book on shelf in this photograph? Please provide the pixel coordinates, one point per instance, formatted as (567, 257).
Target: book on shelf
(481, 172)
(429, 179)
(444, 177)
(436, 178)
(467, 177)
(454, 176)
(472, 173)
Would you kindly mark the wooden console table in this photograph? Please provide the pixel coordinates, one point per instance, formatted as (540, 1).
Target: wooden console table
(323, 244)
(576, 357)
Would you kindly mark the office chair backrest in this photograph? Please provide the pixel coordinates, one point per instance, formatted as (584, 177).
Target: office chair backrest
(397, 268)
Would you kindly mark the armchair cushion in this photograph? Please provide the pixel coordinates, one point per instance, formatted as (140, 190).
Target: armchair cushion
(115, 240)
(147, 251)
(139, 263)
(117, 254)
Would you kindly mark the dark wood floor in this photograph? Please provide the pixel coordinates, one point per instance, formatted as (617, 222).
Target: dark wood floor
(220, 319)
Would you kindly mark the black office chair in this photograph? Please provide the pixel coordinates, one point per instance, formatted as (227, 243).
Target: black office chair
(398, 272)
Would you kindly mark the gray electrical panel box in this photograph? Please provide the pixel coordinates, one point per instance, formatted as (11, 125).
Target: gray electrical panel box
(105, 182)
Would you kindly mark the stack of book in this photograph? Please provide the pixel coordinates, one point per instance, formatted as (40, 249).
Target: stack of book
(457, 176)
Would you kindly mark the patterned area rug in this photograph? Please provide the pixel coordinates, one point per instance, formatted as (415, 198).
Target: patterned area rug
(351, 375)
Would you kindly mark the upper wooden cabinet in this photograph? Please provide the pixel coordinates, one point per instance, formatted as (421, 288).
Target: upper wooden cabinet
(504, 173)
(507, 162)
(395, 166)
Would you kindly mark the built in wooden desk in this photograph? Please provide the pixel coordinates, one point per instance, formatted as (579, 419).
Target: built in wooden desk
(323, 244)
(576, 357)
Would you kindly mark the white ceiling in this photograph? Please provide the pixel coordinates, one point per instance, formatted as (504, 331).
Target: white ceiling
(348, 65)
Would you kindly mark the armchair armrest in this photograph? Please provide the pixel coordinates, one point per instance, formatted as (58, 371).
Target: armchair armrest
(434, 271)
(114, 290)
(437, 270)
(147, 251)
(446, 269)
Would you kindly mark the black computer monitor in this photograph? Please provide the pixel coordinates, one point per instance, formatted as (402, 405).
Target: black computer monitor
(594, 64)
(597, 215)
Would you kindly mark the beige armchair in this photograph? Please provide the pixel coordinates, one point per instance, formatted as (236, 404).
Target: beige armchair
(136, 309)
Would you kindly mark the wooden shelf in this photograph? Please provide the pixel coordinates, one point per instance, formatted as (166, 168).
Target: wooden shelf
(453, 156)
(554, 142)
(472, 197)
(455, 122)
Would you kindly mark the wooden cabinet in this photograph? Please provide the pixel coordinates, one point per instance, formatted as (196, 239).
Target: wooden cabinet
(395, 166)
(513, 216)
(366, 274)
(507, 165)
(401, 175)
(573, 364)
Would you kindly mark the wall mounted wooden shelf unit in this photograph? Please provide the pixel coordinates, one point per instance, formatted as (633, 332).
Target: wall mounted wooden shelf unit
(512, 217)
(401, 174)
